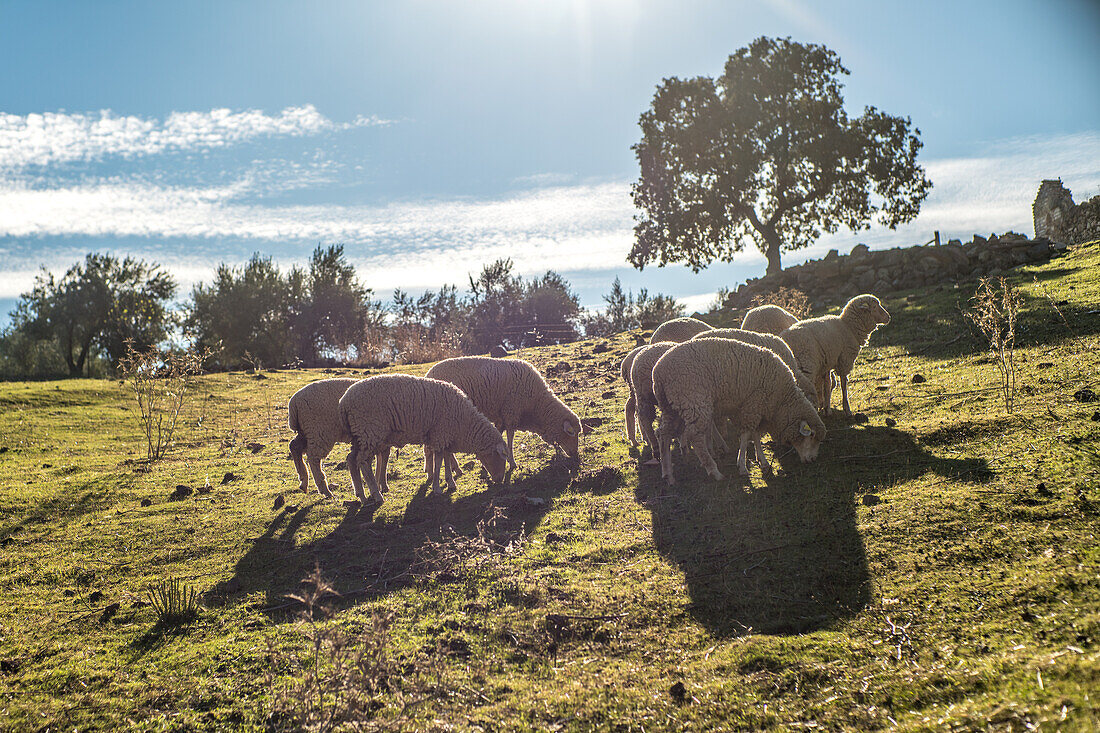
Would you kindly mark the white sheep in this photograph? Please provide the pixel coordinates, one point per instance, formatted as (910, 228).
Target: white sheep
(678, 330)
(833, 342)
(773, 344)
(313, 413)
(392, 410)
(697, 381)
(768, 319)
(632, 400)
(514, 396)
(641, 386)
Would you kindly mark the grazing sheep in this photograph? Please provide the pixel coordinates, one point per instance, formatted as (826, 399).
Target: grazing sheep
(768, 319)
(514, 396)
(699, 380)
(772, 343)
(313, 413)
(631, 400)
(833, 342)
(392, 410)
(678, 330)
(641, 386)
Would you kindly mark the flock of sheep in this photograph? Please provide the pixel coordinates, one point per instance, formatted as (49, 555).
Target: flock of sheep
(771, 376)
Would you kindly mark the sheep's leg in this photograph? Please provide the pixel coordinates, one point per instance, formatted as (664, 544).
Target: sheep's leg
(319, 475)
(743, 453)
(630, 415)
(844, 392)
(766, 467)
(428, 461)
(646, 415)
(828, 391)
(665, 452)
(356, 477)
(297, 448)
(453, 463)
(383, 464)
(511, 456)
(375, 494)
(719, 442)
(698, 443)
(448, 459)
(440, 459)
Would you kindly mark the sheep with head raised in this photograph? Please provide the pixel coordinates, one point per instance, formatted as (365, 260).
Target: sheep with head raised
(313, 413)
(697, 381)
(678, 330)
(514, 396)
(768, 319)
(772, 343)
(829, 343)
(392, 410)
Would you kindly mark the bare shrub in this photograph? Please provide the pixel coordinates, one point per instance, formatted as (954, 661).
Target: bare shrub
(791, 299)
(345, 680)
(994, 308)
(161, 383)
(414, 344)
(470, 560)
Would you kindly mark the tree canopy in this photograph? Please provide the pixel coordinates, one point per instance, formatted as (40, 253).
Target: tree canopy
(99, 306)
(766, 153)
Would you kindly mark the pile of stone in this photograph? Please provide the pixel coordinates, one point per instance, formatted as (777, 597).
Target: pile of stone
(837, 277)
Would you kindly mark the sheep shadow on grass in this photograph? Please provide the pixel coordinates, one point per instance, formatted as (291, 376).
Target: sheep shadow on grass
(786, 556)
(368, 555)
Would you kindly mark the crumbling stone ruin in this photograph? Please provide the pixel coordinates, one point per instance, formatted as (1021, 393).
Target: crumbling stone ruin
(1051, 211)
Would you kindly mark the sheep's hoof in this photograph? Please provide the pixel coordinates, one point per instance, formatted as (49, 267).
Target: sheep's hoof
(717, 476)
(371, 502)
(326, 494)
(384, 488)
(304, 486)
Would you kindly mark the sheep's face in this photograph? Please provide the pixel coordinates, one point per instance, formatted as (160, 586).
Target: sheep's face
(807, 440)
(569, 438)
(873, 307)
(495, 461)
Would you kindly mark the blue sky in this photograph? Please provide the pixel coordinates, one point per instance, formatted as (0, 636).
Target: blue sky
(431, 137)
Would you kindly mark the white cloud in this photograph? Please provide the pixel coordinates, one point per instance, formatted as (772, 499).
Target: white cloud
(51, 138)
(571, 228)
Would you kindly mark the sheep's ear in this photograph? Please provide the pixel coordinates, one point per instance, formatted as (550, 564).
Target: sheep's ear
(568, 428)
(804, 429)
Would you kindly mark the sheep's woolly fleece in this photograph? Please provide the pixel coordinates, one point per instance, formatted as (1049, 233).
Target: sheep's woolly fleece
(768, 319)
(678, 330)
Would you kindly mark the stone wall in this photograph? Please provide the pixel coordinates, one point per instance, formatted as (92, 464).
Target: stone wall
(837, 277)
(1057, 218)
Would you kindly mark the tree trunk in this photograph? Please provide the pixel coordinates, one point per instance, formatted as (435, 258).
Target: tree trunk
(772, 252)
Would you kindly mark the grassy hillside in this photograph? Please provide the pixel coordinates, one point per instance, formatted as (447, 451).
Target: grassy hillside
(936, 568)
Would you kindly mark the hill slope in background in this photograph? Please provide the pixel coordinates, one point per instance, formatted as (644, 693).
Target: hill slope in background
(937, 567)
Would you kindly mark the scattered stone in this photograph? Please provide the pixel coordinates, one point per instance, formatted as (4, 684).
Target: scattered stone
(918, 379)
(6, 541)
(206, 488)
(279, 501)
(229, 476)
(1096, 416)
(182, 492)
(552, 538)
(256, 447)
(1046, 364)
(10, 666)
(498, 352)
(47, 465)
(600, 348)
(1042, 490)
(883, 387)
(1084, 395)
(109, 611)
(68, 593)
(608, 394)
(342, 466)
(258, 376)
(147, 502)
(3, 449)
(871, 500)
(535, 500)
(591, 422)
(96, 596)
(678, 691)
(891, 422)
(291, 508)
(468, 466)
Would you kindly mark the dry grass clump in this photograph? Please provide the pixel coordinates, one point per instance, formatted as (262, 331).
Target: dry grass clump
(174, 602)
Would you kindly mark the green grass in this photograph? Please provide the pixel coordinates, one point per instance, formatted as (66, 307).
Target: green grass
(914, 576)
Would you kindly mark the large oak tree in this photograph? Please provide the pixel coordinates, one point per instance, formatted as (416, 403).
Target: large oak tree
(766, 153)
